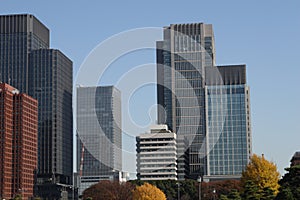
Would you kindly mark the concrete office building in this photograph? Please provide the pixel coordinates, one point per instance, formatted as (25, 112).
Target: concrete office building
(99, 135)
(28, 64)
(18, 143)
(157, 154)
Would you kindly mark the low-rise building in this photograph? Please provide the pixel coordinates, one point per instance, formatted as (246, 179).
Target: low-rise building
(156, 154)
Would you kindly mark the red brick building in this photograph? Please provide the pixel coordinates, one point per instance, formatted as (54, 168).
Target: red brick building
(18, 142)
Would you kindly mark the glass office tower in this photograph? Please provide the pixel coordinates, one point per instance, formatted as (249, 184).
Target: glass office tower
(182, 56)
(228, 127)
(52, 85)
(19, 35)
(207, 106)
(27, 63)
(99, 135)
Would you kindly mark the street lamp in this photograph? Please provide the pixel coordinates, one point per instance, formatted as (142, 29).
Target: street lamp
(178, 190)
(214, 191)
(20, 191)
(199, 181)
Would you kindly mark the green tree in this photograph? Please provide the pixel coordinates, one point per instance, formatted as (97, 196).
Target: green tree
(148, 192)
(286, 194)
(18, 197)
(251, 191)
(267, 194)
(168, 187)
(234, 195)
(188, 189)
(224, 197)
(290, 184)
(262, 173)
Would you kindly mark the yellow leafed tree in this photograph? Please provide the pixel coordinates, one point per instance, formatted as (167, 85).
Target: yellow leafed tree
(148, 192)
(262, 172)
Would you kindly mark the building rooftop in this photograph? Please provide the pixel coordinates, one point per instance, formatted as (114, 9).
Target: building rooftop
(295, 159)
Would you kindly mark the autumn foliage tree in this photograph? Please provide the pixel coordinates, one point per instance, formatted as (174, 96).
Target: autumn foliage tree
(187, 188)
(218, 189)
(261, 174)
(148, 192)
(109, 190)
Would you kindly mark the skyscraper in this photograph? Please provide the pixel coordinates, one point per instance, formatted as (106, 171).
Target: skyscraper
(28, 64)
(228, 133)
(19, 35)
(99, 135)
(205, 105)
(51, 76)
(181, 59)
(18, 142)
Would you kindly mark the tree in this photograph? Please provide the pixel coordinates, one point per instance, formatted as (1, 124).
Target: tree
(286, 194)
(290, 184)
(188, 188)
(109, 190)
(148, 192)
(18, 197)
(168, 187)
(215, 189)
(267, 194)
(262, 173)
(224, 197)
(251, 191)
(234, 195)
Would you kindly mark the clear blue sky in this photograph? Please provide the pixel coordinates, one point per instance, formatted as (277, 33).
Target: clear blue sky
(265, 35)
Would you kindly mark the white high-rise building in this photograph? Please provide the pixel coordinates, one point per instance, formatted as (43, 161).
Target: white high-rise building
(156, 154)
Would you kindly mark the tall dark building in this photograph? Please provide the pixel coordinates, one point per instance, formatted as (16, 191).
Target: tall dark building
(27, 63)
(213, 138)
(51, 83)
(19, 35)
(18, 142)
(99, 135)
(181, 59)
